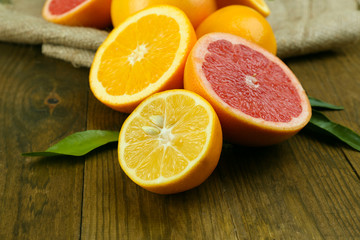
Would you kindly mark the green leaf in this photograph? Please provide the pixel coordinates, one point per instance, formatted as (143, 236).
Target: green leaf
(316, 103)
(346, 135)
(79, 143)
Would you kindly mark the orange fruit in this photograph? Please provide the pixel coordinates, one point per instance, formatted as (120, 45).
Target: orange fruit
(258, 99)
(196, 10)
(258, 5)
(241, 21)
(171, 142)
(86, 13)
(143, 55)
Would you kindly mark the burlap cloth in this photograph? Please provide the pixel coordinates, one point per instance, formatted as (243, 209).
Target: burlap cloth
(300, 26)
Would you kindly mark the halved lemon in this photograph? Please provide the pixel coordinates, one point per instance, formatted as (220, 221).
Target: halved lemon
(171, 142)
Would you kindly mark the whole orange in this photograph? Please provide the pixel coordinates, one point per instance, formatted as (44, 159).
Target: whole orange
(241, 21)
(196, 10)
(258, 5)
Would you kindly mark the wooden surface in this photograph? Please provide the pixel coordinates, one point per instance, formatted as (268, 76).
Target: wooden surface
(305, 188)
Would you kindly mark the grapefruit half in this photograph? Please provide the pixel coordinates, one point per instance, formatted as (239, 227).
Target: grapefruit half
(85, 13)
(258, 99)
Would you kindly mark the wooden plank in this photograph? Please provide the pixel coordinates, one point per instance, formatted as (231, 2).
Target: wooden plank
(334, 77)
(103, 184)
(303, 188)
(42, 100)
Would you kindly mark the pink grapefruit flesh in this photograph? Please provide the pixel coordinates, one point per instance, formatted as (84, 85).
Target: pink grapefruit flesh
(248, 81)
(85, 13)
(258, 99)
(58, 7)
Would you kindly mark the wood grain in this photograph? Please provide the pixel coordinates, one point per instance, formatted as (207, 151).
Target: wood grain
(305, 188)
(334, 77)
(41, 101)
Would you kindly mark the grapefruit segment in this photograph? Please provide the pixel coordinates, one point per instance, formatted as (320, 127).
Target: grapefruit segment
(86, 13)
(257, 97)
(59, 7)
(260, 89)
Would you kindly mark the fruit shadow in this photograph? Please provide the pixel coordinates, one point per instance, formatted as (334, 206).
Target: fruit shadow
(239, 157)
(239, 170)
(54, 161)
(318, 56)
(241, 164)
(67, 160)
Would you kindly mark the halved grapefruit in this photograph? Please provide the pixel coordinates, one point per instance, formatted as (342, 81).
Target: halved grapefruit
(85, 13)
(258, 99)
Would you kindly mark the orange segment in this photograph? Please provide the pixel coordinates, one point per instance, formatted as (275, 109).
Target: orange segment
(144, 55)
(171, 142)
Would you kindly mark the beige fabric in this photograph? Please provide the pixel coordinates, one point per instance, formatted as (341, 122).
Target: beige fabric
(25, 25)
(307, 26)
(77, 56)
(300, 26)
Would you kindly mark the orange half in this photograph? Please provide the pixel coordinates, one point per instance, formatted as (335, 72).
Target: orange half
(144, 55)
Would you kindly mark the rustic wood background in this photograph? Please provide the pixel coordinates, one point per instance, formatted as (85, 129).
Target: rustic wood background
(305, 188)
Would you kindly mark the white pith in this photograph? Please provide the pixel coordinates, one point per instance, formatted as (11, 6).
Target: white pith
(137, 54)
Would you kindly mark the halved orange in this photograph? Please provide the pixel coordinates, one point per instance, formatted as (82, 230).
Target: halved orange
(143, 55)
(171, 142)
(258, 99)
(85, 13)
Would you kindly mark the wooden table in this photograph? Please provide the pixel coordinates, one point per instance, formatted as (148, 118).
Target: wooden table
(305, 188)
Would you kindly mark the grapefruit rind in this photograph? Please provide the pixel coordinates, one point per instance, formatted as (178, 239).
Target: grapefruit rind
(198, 169)
(168, 80)
(272, 132)
(52, 16)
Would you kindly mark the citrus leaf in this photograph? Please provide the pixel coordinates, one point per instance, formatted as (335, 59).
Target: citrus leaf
(79, 143)
(316, 103)
(346, 135)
